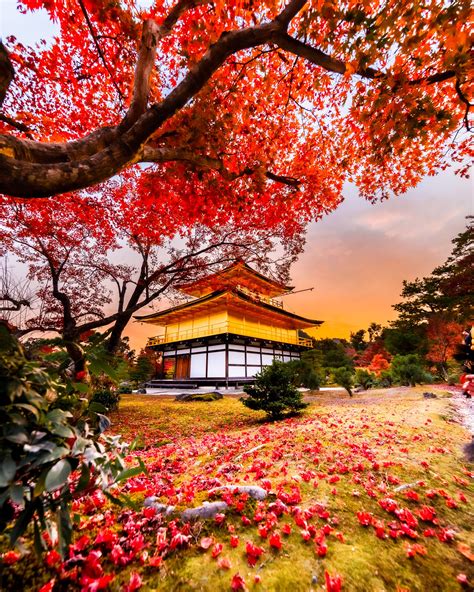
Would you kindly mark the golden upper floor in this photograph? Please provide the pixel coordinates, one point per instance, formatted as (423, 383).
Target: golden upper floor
(229, 312)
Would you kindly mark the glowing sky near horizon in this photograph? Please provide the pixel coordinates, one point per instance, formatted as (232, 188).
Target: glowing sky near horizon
(355, 258)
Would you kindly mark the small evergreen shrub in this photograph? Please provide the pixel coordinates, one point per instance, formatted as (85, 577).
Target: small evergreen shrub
(303, 374)
(408, 370)
(365, 379)
(108, 398)
(274, 392)
(385, 379)
(344, 377)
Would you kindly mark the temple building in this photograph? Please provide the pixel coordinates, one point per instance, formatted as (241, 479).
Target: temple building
(231, 329)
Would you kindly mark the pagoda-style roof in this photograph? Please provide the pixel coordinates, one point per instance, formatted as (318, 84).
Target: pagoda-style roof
(238, 275)
(230, 299)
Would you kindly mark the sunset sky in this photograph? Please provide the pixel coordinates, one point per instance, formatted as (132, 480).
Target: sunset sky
(357, 257)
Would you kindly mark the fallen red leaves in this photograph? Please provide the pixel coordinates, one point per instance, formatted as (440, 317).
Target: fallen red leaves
(109, 541)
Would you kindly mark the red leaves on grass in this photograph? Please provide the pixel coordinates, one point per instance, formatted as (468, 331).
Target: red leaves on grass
(53, 558)
(134, 583)
(333, 582)
(364, 518)
(275, 541)
(48, 587)
(224, 563)
(237, 583)
(427, 513)
(206, 542)
(10, 557)
(321, 549)
(416, 549)
(253, 553)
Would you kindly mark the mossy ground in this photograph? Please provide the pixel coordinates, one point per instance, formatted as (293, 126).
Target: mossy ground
(343, 454)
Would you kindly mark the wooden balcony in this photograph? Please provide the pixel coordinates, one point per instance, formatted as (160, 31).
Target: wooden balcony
(230, 327)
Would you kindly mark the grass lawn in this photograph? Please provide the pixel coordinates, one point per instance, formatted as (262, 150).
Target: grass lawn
(373, 490)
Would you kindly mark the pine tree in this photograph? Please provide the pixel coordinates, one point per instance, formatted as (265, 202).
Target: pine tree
(273, 392)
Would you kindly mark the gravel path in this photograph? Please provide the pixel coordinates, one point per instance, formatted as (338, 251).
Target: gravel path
(465, 408)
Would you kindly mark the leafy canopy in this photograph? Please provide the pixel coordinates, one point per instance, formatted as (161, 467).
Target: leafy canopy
(231, 103)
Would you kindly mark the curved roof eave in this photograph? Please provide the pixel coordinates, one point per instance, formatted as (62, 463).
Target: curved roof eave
(239, 294)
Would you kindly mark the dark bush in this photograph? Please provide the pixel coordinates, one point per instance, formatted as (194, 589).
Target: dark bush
(385, 379)
(108, 398)
(365, 379)
(345, 378)
(48, 432)
(408, 370)
(205, 397)
(302, 374)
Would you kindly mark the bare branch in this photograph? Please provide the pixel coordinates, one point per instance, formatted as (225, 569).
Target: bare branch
(468, 104)
(99, 51)
(14, 304)
(21, 127)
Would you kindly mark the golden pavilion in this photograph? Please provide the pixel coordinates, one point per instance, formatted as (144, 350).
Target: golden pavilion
(231, 329)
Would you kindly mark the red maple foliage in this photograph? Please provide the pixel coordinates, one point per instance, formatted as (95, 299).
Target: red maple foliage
(378, 364)
(280, 101)
(443, 336)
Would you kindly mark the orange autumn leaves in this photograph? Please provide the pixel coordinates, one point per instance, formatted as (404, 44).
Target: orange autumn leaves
(373, 116)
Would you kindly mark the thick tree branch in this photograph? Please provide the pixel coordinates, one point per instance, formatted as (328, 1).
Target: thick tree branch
(7, 72)
(150, 154)
(144, 68)
(34, 169)
(25, 179)
(21, 127)
(316, 56)
(14, 304)
(289, 13)
(55, 152)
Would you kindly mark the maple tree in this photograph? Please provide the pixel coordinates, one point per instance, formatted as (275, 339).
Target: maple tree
(444, 337)
(378, 364)
(71, 256)
(242, 101)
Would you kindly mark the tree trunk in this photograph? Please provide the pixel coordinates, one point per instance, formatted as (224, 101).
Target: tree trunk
(116, 334)
(76, 353)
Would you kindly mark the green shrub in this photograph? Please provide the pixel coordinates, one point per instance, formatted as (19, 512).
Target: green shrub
(48, 430)
(408, 370)
(453, 372)
(385, 379)
(302, 374)
(274, 392)
(365, 379)
(108, 398)
(345, 378)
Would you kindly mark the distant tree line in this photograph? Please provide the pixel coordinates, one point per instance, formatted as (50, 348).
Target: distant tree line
(422, 345)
